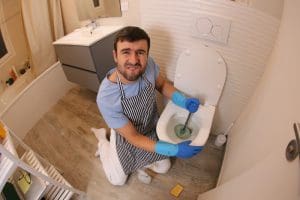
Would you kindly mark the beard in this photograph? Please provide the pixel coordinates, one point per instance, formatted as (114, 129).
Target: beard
(127, 74)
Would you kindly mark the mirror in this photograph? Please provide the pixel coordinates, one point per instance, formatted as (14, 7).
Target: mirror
(92, 9)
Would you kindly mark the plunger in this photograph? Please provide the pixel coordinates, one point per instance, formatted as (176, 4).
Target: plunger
(182, 131)
(186, 122)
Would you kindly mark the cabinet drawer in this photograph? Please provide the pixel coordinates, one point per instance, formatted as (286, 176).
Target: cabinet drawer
(78, 56)
(82, 77)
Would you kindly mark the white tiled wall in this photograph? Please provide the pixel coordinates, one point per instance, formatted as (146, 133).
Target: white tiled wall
(249, 45)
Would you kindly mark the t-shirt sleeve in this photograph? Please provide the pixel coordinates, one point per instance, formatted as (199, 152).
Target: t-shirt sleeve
(110, 108)
(153, 67)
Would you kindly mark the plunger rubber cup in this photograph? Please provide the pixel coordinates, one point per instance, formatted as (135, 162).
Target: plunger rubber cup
(181, 132)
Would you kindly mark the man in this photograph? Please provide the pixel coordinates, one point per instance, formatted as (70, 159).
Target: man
(127, 102)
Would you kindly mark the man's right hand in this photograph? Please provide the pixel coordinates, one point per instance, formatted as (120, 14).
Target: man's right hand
(185, 150)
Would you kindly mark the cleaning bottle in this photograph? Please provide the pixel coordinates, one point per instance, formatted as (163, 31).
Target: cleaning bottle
(222, 137)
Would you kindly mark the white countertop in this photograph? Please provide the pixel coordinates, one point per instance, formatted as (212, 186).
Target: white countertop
(84, 37)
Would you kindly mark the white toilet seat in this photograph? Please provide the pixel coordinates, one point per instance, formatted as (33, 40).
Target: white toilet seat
(201, 73)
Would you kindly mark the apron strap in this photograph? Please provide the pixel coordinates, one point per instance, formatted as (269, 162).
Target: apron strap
(123, 96)
(120, 85)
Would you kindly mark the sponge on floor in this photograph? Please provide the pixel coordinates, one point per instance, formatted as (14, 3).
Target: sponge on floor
(176, 190)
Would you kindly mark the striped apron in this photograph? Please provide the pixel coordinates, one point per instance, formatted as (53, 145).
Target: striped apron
(141, 110)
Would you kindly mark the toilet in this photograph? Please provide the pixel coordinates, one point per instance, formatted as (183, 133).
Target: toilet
(200, 73)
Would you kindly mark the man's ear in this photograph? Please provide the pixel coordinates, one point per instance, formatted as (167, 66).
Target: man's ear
(115, 56)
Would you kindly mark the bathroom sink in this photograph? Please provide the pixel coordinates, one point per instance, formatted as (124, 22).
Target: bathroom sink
(86, 36)
(97, 32)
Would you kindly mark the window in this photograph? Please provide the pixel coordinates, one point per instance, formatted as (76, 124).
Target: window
(96, 3)
(3, 49)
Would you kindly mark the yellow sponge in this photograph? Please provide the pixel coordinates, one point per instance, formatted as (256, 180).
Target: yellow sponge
(2, 131)
(176, 190)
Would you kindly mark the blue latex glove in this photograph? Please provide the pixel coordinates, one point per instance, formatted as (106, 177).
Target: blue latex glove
(191, 104)
(185, 150)
(181, 150)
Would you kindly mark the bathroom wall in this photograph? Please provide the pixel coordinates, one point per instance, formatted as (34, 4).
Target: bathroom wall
(71, 21)
(272, 7)
(11, 22)
(249, 45)
(255, 165)
(70, 17)
(131, 16)
(253, 32)
(274, 105)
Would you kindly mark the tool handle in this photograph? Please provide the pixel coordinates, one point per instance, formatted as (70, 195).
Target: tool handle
(186, 122)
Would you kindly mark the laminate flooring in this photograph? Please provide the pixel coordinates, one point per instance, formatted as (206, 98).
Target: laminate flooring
(64, 138)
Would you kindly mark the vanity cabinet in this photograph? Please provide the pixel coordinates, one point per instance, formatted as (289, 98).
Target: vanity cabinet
(86, 63)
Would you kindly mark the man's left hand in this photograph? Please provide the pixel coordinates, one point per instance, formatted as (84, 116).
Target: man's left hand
(192, 104)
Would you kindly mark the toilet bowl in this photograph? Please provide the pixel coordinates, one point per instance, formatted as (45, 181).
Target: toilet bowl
(200, 73)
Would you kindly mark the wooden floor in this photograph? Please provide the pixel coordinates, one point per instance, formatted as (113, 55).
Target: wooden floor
(63, 137)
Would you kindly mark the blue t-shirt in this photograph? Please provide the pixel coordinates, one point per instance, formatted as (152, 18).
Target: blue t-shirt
(109, 95)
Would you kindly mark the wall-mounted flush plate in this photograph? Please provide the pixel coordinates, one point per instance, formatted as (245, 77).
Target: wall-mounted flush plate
(211, 28)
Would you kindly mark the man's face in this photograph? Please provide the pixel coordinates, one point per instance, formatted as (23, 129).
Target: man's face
(131, 59)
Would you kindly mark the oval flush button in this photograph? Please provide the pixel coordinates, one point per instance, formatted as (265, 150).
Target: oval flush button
(187, 52)
(220, 61)
(178, 75)
(204, 26)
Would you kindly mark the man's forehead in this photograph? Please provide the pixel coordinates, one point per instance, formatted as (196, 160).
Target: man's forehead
(135, 44)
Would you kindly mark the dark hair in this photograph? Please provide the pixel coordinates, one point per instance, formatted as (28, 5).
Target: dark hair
(131, 34)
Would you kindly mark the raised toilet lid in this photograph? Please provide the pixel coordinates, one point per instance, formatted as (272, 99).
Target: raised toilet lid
(201, 73)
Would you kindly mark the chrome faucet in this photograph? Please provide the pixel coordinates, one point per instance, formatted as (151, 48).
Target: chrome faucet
(93, 24)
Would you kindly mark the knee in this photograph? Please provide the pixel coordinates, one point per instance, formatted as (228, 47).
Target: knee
(161, 166)
(166, 165)
(117, 181)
